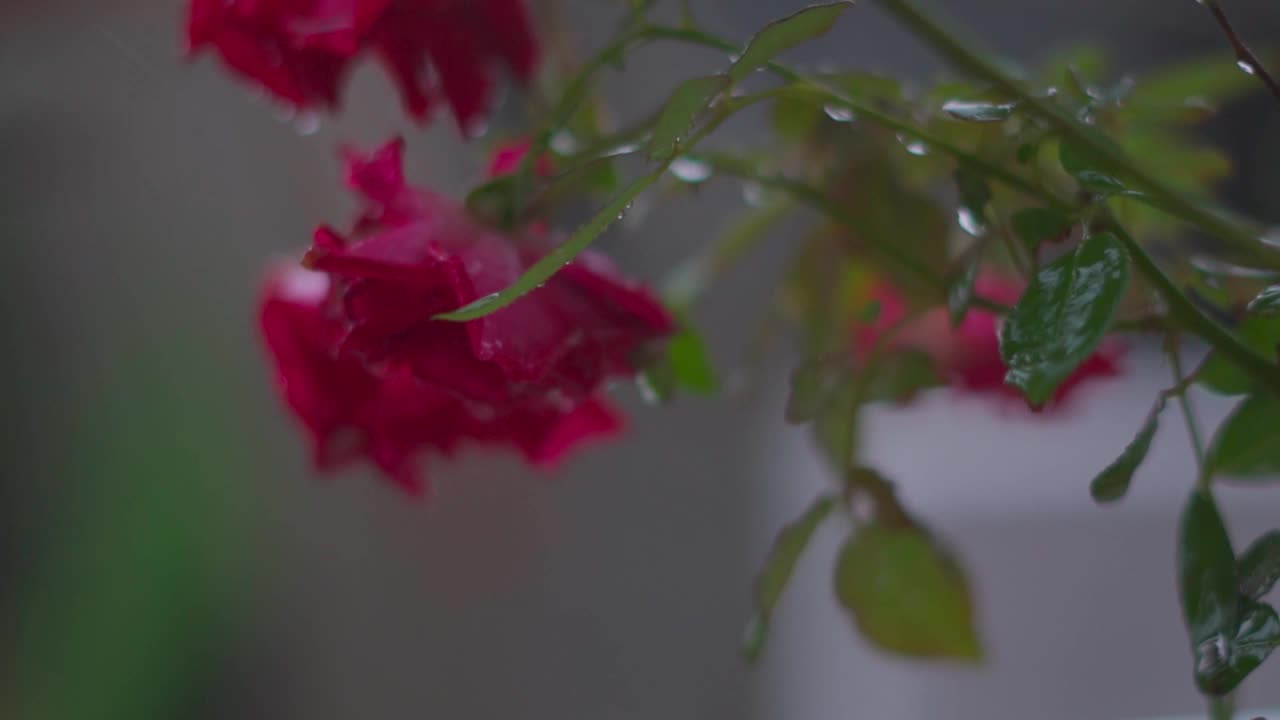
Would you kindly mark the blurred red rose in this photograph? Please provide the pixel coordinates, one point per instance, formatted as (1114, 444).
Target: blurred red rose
(301, 50)
(968, 356)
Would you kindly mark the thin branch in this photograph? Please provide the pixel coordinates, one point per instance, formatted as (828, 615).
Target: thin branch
(1247, 61)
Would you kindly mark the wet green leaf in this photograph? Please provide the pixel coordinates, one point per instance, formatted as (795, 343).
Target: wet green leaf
(1113, 482)
(686, 104)
(978, 111)
(778, 568)
(1062, 316)
(1245, 444)
(1259, 566)
(1206, 569)
(906, 594)
(1266, 302)
(1224, 661)
(1209, 79)
(784, 34)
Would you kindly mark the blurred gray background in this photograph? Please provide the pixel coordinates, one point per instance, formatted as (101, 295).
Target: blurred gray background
(165, 553)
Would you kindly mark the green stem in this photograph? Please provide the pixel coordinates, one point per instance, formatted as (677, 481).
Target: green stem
(1184, 402)
(1194, 319)
(1239, 238)
(869, 112)
(1222, 708)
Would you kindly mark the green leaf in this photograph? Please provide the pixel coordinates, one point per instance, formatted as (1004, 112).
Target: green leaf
(1267, 302)
(778, 568)
(541, 271)
(960, 294)
(1212, 78)
(1113, 482)
(1206, 569)
(1259, 566)
(978, 111)
(1036, 226)
(905, 594)
(1062, 316)
(1230, 635)
(1223, 662)
(784, 34)
(687, 354)
(1220, 375)
(686, 104)
(974, 193)
(1245, 443)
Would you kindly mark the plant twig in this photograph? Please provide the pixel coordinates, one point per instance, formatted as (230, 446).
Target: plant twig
(1184, 402)
(1247, 61)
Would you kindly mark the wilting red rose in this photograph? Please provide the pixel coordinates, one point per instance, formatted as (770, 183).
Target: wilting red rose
(302, 50)
(370, 373)
(968, 356)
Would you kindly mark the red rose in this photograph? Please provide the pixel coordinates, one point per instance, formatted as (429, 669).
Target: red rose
(369, 372)
(388, 417)
(301, 50)
(968, 356)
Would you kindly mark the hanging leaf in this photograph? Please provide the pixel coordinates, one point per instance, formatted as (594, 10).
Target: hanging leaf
(1207, 577)
(1267, 302)
(778, 568)
(681, 364)
(905, 594)
(1259, 566)
(978, 111)
(683, 108)
(784, 34)
(1113, 482)
(1245, 444)
(1036, 226)
(1062, 316)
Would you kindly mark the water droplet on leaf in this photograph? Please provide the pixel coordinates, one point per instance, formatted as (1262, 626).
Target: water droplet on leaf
(839, 113)
(563, 143)
(690, 170)
(1247, 67)
(970, 223)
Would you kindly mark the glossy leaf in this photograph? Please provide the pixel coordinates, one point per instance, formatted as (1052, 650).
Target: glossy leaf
(784, 34)
(563, 254)
(1259, 566)
(778, 568)
(1113, 482)
(905, 594)
(1036, 226)
(960, 294)
(1245, 443)
(1206, 568)
(978, 111)
(1223, 662)
(1267, 302)
(1220, 375)
(678, 116)
(1062, 316)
